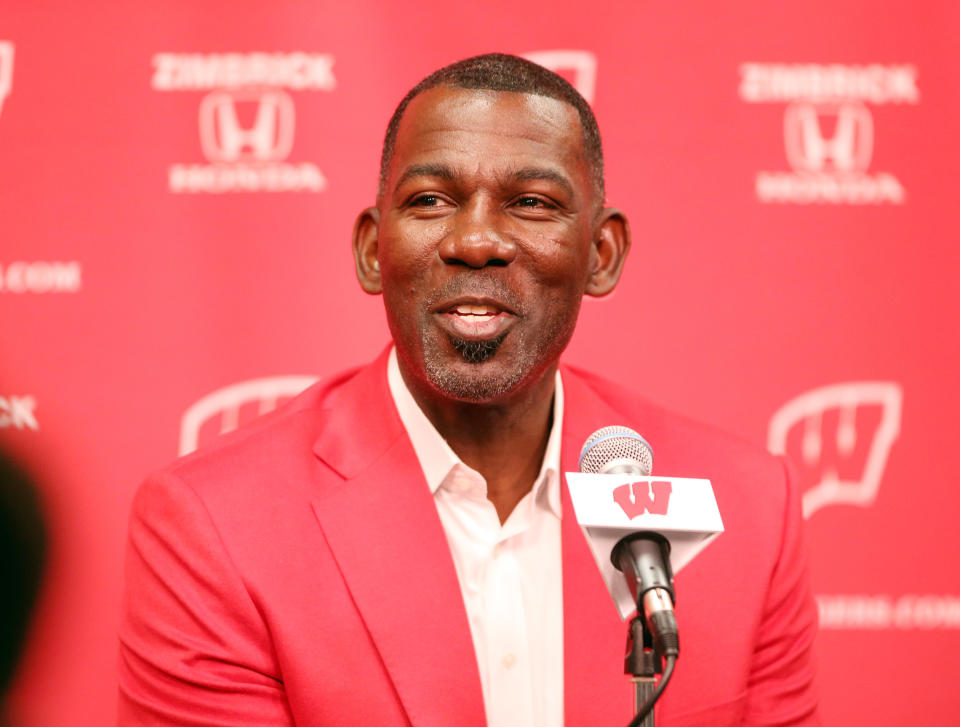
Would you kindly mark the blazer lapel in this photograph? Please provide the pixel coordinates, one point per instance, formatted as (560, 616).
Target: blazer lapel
(382, 527)
(596, 691)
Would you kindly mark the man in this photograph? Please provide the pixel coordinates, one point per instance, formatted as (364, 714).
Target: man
(397, 546)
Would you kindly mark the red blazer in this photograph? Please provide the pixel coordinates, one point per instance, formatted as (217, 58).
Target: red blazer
(297, 573)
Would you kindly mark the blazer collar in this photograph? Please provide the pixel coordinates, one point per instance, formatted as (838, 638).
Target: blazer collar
(361, 422)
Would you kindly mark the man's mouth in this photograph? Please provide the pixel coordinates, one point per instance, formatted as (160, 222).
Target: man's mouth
(475, 320)
(476, 314)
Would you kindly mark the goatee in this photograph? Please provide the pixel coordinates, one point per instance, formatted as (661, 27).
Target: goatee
(476, 352)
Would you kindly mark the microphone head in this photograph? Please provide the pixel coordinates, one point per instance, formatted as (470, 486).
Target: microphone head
(613, 450)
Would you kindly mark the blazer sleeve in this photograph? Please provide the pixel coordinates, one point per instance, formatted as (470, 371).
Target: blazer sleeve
(781, 687)
(193, 647)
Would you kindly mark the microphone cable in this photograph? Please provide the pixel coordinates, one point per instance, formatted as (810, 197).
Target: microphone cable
(645, 708)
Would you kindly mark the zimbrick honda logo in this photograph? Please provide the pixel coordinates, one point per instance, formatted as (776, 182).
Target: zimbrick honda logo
(246, 118)
(6, 71)
(232, 406)
(839, 437)
(828, 129)
(640, 498)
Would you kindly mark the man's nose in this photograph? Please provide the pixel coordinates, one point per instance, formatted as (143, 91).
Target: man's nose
(476, 242)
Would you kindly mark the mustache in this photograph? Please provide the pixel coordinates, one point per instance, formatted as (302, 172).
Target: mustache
(480, 286)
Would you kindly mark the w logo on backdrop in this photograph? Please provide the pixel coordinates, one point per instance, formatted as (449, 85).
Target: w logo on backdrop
(578, 67)
(226, 409)
(839, 437)
(640, 498)
(6, 70)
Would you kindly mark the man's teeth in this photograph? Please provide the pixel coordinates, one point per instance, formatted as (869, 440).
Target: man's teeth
(475, 310)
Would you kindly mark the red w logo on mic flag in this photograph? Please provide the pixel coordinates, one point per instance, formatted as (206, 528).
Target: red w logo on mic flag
(639, 497)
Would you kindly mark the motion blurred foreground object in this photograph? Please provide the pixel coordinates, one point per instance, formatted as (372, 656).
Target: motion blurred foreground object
(22, 556)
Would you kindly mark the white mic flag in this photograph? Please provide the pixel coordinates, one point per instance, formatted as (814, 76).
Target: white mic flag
(608, 507)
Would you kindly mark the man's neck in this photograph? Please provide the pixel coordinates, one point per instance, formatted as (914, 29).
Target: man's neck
(505, 442)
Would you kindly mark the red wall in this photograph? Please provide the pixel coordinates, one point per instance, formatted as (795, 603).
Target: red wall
(788, 170)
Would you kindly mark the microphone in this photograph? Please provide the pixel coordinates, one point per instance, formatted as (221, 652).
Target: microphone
(614, 497)
(644, 556)
(614, 451)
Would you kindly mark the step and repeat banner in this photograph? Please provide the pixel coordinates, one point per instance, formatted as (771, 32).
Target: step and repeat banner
(179, 182)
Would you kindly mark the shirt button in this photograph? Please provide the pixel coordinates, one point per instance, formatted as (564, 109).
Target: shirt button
(509, 660)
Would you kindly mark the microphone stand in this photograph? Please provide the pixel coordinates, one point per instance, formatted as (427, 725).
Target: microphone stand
(642, 663)
(646, 557)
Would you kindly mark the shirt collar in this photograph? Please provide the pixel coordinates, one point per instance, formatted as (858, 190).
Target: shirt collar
(436, 457)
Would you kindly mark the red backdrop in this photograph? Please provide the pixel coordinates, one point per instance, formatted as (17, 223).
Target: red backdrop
(178, 187)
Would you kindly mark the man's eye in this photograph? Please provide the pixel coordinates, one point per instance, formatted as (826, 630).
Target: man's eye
(534, 203)
(426, 200)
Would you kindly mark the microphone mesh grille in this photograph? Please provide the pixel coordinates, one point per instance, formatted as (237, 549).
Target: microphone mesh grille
(613, 443)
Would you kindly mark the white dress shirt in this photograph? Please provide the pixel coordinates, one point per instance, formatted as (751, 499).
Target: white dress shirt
(510, 574)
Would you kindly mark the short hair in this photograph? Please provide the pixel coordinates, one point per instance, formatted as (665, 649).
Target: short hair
(503, 72)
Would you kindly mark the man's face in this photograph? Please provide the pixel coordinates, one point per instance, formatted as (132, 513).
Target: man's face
(485, 239)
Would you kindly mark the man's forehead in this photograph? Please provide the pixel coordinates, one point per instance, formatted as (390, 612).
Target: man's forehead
(452, 120)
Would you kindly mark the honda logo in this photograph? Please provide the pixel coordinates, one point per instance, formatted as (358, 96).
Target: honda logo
(226, 409)
(6, 70)
(839, 436)
(246, 125)
(828, 137)
(581, 64)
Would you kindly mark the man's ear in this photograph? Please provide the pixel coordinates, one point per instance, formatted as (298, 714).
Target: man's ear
(366, 231)
(609, 252)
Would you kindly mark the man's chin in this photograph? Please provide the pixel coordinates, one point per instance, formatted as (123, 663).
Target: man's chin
(474, 376)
